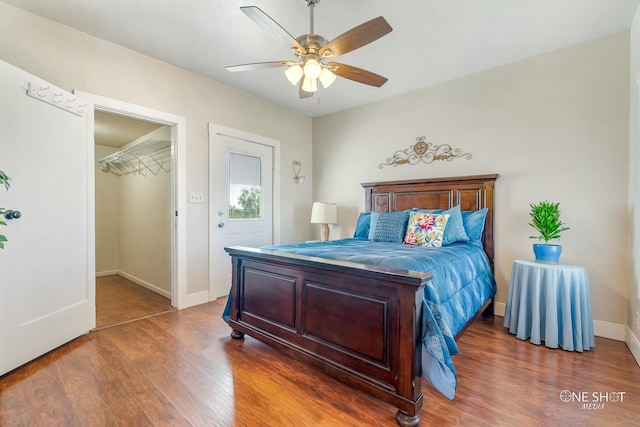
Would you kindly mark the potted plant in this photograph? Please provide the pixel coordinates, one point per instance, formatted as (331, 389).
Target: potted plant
(545, 218)
(4, 180)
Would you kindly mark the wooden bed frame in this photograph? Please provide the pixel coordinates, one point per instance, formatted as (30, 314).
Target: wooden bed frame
(358, 323)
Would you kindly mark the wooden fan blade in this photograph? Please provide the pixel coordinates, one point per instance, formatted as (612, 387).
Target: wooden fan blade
(357, 74)
(259, 17)
(259, 65)
(356, 37)
(303, 93)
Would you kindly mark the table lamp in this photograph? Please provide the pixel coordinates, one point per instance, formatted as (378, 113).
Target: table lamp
(324, 213)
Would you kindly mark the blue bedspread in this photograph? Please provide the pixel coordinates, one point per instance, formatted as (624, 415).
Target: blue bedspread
(462, 281)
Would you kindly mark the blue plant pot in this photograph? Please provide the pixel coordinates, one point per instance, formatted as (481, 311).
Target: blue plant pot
(549, 254)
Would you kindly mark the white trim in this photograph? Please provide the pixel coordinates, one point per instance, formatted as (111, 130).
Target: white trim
(197, 298)
(145, 284)
(634, 345)
(179, 199)
(612, 331)
(499, 308)
(602, 329)
(106, 273)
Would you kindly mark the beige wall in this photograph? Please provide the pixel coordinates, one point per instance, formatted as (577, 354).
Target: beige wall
(145, 223)
(133, 222)
(73, 60)
(107, 214)
(145, 228)
(634, 190)
(554, 126)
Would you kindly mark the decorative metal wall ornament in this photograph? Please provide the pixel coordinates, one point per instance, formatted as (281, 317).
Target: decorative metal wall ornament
(425, 152)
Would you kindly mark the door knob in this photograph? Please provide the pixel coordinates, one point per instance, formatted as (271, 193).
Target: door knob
(12, 214)
(220, 224)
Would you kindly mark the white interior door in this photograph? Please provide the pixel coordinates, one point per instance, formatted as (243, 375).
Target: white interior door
(241, 209)
(47, 279)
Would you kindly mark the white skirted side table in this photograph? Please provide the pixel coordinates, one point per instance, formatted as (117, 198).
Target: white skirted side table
(550, 303)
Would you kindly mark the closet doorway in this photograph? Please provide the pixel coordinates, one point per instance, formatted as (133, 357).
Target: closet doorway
(133, 218)
(179, 296)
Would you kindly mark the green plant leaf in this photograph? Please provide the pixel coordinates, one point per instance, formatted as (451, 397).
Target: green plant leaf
(545, 218)
(4, 180)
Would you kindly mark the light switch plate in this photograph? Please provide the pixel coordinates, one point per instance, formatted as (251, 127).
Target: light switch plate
(196, 197)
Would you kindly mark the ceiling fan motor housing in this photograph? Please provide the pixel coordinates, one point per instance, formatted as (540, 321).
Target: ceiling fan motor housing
(311, 42)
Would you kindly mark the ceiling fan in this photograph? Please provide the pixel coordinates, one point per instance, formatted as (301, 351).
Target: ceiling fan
(313, 52)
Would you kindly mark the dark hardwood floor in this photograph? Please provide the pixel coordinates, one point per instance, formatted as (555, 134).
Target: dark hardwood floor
(120, 300)
(182, 369)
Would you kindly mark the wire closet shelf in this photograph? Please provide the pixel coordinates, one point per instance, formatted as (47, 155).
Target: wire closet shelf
(149, 156)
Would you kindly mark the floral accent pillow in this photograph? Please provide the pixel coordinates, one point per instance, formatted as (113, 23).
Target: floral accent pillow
(426, 229)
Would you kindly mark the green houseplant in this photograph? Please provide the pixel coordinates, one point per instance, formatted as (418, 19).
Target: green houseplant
(4, 180)
(545, 219)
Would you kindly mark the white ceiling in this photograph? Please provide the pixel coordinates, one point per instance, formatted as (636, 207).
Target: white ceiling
(432, 40)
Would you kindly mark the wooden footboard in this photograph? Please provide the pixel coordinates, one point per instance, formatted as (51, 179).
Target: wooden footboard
(358, 323)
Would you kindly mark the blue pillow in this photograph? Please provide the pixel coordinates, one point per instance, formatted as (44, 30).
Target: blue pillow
(474, 224)
(455, 230)
(388, 226)
(373, 223)
(363, 225)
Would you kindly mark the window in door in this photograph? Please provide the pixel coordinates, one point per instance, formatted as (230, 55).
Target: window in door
(245, 186)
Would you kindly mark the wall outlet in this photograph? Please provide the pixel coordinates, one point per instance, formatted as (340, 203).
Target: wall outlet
(196, 198)
(638, 321)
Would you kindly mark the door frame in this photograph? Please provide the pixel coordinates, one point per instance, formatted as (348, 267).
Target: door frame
(215, 129)
(179, 297)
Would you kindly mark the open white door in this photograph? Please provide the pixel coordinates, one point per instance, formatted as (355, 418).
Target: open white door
(47, 279)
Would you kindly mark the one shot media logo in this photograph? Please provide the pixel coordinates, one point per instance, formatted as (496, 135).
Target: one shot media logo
(592, 400)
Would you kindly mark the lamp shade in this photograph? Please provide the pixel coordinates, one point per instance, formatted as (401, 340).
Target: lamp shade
(309, 85)
(294, 74)
(327, 77)
(324, 213)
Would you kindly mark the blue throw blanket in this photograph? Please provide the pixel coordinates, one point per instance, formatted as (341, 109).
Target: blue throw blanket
(462, 281)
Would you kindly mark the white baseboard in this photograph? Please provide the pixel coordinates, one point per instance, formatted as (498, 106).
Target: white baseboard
(186, 301)
(106, 273)
(601, 329)
(145, 284)
(499, 308)
(634, 345)
(197, 298)
(612, 331)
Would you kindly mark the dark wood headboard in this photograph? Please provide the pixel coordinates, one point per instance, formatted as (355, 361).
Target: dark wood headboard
(470, 192)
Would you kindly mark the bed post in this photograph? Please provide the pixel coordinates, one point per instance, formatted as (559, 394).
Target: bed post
(403, 418)
(235, 334)
(368, 200)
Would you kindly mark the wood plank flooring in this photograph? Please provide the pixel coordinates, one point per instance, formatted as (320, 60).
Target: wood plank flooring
(182, 369)
(120, 300)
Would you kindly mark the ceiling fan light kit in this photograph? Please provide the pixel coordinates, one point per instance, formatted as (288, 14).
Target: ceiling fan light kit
(294, 73)
(327, 77)
(309, 85)
(312, 51)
